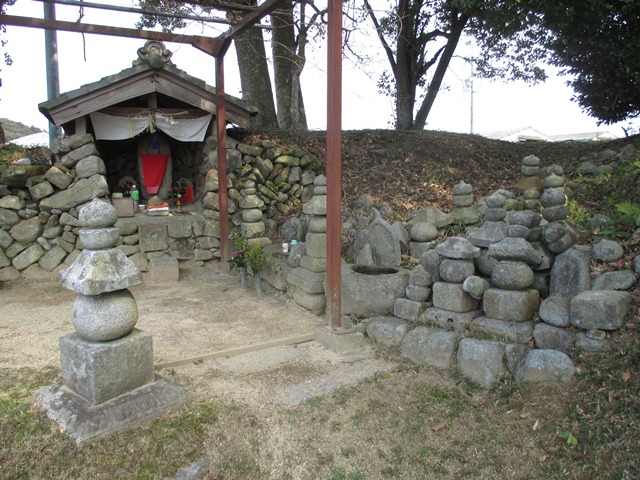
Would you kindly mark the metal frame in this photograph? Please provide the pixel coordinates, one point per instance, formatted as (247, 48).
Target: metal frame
(217, 48)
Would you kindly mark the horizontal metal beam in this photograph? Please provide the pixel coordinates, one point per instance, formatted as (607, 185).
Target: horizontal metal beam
(208, 45)
(141, 11)
(252, 18)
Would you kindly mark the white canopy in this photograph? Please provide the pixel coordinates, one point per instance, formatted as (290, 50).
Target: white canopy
(120, 127)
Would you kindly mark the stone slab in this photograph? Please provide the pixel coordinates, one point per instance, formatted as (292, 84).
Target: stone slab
(101, 371)
(407, 309)
(339, 340)
(447, 319)
(163, 270)
(316, 265)
(430, 346)
(451, 296)
(261, 360)
(317, 245)
(387, 331)
(503, 330)
(83, 421)
(343, 375)
(601, 309)
(511, 305)
(153, 237)
(310, 282)
(481, 360)
(100, 271)
(311, 301)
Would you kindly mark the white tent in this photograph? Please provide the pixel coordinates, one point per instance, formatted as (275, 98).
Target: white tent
(40, 139)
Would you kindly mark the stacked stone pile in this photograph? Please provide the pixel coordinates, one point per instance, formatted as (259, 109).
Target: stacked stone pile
(464, 212)
(494, 227)
(453, 306)
(101, 275)
(424, 225)
(107, 359)
(530, 170)
(252, 227)
(553, 200)
(308, 278)
(511, 303)
(579, 313)
(417, 293)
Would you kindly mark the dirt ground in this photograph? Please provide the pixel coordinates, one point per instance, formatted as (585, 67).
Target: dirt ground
(196, 316)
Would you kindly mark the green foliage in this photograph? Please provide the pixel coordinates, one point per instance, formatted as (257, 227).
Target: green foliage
(13, 130)
(629, 212)
(239, 253)
(577, 213)
(570, 439)
(256, 258)
(11, 152)
(595, 43)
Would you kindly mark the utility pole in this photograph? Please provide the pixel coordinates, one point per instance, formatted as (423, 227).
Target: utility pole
(51, 54)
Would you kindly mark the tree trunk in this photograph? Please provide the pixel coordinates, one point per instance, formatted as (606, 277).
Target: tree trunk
(405, 84)
(457, 25)
(254, 75)
(288, 62)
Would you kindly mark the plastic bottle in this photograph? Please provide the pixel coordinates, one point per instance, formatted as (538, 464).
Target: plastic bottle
(135, 196)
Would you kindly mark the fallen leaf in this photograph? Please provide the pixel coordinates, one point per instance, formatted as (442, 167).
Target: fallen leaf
(440, 426)
(525, 415)
(536, 425)
(626, 376)
(631, 326)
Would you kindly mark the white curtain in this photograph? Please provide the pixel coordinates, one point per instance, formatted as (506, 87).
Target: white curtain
(114, 127)
(111, 127)
(183, 129)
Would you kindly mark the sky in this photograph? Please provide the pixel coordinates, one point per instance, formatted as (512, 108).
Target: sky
(84, 59)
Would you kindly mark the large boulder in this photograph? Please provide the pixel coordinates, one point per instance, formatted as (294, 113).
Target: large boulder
(546, 366)
(387, 331)
(430, 346)
(570, 274)
(600, 309)
(481, 361)
(81, 192)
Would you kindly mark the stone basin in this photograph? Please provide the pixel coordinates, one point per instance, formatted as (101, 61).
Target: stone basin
(371, 291)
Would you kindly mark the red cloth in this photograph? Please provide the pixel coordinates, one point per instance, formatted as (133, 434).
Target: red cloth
(188, 195)
(153, 167)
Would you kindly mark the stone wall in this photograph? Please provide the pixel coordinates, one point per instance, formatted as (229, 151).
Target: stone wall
(39, 204)
(515, 297)
(283, 178)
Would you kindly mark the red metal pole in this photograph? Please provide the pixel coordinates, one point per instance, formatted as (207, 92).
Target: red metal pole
(334, 161)
(221, 125)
